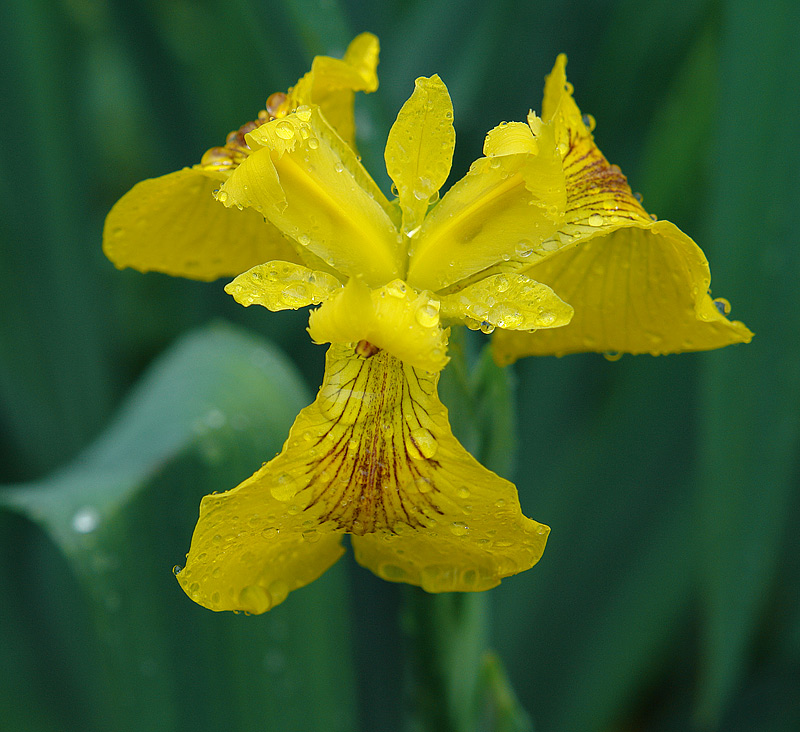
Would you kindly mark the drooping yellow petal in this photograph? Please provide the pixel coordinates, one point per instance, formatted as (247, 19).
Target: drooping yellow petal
(331, 82)
(394, 317)
(503, 209)
(304, 183)
(637, 285)
(172, 224)
(249, 549)
(373, 456)
(511, 301)
(510, 138)
(282, 286)
(419, 150)
(635, 290)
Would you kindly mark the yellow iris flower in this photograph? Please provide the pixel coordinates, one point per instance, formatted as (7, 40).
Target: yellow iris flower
(301, 222)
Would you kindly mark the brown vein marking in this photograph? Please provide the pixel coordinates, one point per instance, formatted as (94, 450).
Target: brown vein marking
(593, 183)
(365, 478)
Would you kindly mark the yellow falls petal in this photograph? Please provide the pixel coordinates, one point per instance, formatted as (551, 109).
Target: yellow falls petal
(302, 184)
(510, 138)
(419, 150)
(635, 289)
(503, 209)
(249, 550)
(511, 301)
(172, 224)
(637, 285)
(282, 286)
(331, 82)
(394, 317)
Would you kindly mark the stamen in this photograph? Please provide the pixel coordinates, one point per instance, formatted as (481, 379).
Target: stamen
(365, 349)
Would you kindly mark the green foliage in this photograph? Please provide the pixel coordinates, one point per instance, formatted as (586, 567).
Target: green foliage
(667, 598)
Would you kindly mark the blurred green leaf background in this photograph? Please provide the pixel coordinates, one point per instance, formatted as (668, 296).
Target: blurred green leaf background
(668, 598)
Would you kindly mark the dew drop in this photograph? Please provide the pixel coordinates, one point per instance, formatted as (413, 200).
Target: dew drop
(428, 314)
(459, 529)
(284, 487)
(177, 569)
(86, 520)
(421, 444)
(304, 239)
(612, 355)
(486, 327)
(255, 599)
(463, 492)
(595, 220)
(311, 536)
(396, 288)
(524, 248)
(285, 130)
(723, 306)
(313, 143)
(222, 196)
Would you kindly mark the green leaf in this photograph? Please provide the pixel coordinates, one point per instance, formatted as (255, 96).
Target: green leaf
(203, 418)
(751, 394)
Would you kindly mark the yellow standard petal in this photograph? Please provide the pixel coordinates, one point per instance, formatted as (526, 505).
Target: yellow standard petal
(637, 285)
(172, 224)
(419, 150)
(511, 301)
(311, 186)
(394, 317)
(502, 210)
(282, 286)
(331, 82)
(373, 456)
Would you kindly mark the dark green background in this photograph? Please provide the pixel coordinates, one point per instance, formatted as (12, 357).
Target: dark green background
(668, 597)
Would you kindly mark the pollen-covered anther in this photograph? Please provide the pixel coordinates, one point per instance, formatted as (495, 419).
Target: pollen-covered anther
(236, 149)
(365, 349)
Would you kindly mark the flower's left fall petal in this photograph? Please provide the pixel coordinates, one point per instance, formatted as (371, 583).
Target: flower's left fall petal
(511, 301)
(331, 83)
(249, 549)
(394, 317)
(172, 224)
(419, 150)
(282, 286)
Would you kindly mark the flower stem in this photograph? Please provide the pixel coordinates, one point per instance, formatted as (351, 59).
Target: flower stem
(458, 684)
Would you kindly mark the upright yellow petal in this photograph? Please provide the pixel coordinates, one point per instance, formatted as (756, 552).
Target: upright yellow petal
(172, 224)
(301, 180)
(395, 318)
(511, 301)
(503, 209)
(419, 150)
(331, 82)
(282, 286)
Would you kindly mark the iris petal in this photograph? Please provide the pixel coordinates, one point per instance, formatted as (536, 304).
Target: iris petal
(510, 301)
(419, 150)
(302, 184)
(394, 317)
(282, 286)
(637, 285)
(172, 224)
(373, 456)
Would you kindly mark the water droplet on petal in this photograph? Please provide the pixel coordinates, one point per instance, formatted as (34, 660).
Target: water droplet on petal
(421, 444)
(723, 306)
(524, 248)
(612, 355)
(255, 599)
(284, 130)
(595, 220)
(396, 288)
(459, 529)
(428, 314)
(313, 143)
(304, 239)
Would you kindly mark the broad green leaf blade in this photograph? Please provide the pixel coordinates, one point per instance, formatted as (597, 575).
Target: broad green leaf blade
(751, 395)
(203, 418)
